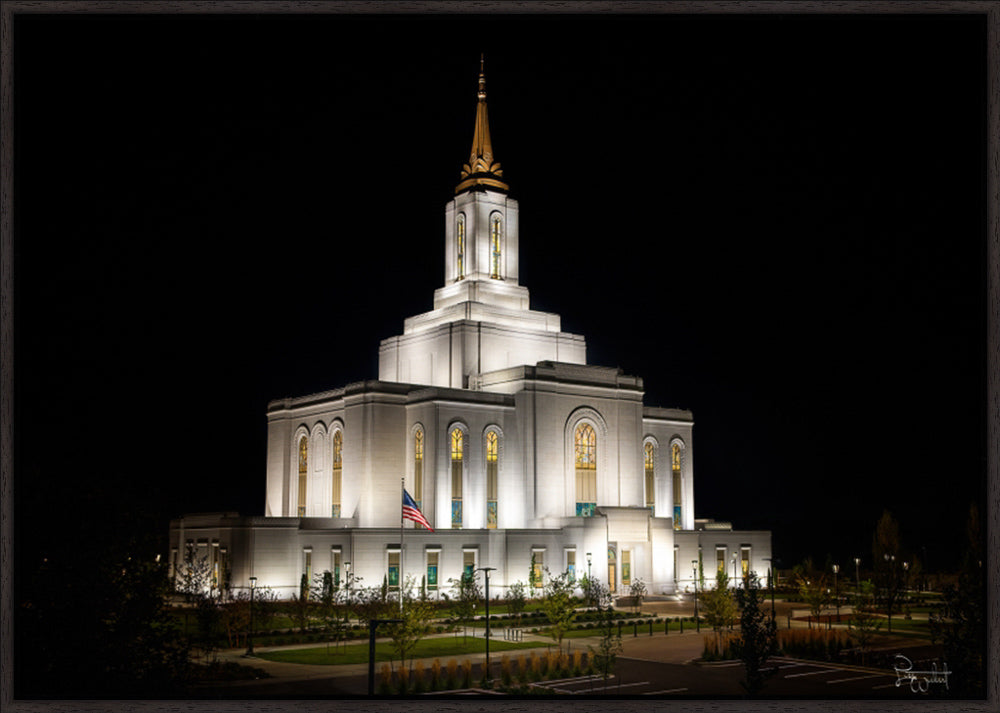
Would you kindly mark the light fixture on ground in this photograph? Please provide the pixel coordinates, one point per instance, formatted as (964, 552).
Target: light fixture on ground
(253, 586)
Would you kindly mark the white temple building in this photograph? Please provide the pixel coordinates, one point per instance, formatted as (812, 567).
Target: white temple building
(519, 453)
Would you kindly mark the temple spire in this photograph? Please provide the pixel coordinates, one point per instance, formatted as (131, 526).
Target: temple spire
(481, 170)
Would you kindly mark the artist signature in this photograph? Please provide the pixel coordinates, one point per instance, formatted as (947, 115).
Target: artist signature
(920, 681)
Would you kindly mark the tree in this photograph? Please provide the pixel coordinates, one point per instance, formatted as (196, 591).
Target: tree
(887, 554)
(367, 604)
(610, 645)
(864, 623)
(516, 601)
(590, 589)
(637, 590)
(717, 606)
(415, 614)
(533, 582)
(559, 605)
(813, 590)
(758, 636)
(961, 625)
(465, 594)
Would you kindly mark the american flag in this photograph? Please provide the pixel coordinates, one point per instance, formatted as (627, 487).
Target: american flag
(412, 512)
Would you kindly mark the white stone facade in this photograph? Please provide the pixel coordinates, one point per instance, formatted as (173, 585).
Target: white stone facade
(484, 363)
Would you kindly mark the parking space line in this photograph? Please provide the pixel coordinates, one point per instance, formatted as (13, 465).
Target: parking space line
(858, 678)
(669, 690)
(623, 685)
(810, 673)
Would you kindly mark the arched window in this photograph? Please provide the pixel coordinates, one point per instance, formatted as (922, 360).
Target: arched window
(460, 246)
(675, 469)
(338, 471)
(303, 473)
(585, 446)
(456, 477)
(492, 462)
(496, 238)
(418, 470)
(650, 476)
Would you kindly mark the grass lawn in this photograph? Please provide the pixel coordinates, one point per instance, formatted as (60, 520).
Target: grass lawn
(427, 648)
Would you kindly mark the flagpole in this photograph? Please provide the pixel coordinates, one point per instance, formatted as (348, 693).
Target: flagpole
(402, 490)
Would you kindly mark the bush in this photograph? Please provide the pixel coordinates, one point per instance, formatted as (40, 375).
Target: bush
(452, 676)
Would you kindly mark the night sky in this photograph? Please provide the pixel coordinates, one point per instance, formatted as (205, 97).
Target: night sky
(777, 222)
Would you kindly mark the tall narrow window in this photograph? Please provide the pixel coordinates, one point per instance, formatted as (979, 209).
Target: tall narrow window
(468, 563)
(492, 452)
(456, 478)
(538, 567)
(571, 565)
(675, 469)
(392, 575)
(303, 473)
(335, 567)
(432, 570)
(650, 477)
(720, 559)
(745, 561)
(626, 568)
(418, 471)
(496, 238)
(307, 573)
(585, 445)
(338, 471)
(460, 246)
(612, 570)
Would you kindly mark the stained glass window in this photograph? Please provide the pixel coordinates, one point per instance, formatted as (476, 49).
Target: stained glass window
(571, 564)
(626, 568)
(538, 567)
(432, 570)
(338, 470)
(303, 473)
(585, 447)
(460, 246)
(612, 570)
(492, 455)
(745, 561)
(418, 471)
(496, 236)
(393, 573)
(650, 477)
(456, 477)
(675, 469)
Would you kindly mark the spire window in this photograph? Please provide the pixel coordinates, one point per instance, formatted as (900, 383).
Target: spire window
(675, 470)
(492, 461)
(650, 454)
(456, 477)
(496, 238)
(418, 471)
(460, 246)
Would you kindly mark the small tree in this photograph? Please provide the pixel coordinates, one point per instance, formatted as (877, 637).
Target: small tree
(758, 638)
(610, 645)
(717, 606)
(813, 590)
(416, 612)
(516, 601)
(590, 589)
(637, 590)
(533, 582)
(864, 623)
(559, 605)
(465, 594)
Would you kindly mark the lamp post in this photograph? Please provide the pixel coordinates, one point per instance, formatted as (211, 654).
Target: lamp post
(347, 574)
(694, 574)
(906, 586)
(836, 589)
(253, 585)
(857, 575)
(588, 566)
(486, 572)
(734, 570)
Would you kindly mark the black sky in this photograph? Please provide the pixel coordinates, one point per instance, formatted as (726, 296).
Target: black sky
(778, 222)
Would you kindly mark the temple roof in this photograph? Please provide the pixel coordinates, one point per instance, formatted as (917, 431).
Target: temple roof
(481, 169)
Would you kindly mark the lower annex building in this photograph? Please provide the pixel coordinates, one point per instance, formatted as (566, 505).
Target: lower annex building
(519, 454)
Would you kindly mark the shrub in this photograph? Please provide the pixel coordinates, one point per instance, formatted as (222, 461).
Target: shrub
(522, 670)
(552, 664)
(466, 674)
(403, 677)
(436, 674)
(385, 678)
(452, 674)
(505, 676)
(577, 658)
(418, 676)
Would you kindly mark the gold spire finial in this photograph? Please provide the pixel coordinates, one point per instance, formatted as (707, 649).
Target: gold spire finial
(481, 170)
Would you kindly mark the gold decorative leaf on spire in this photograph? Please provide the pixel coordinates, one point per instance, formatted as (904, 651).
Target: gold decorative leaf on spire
(481, 170)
